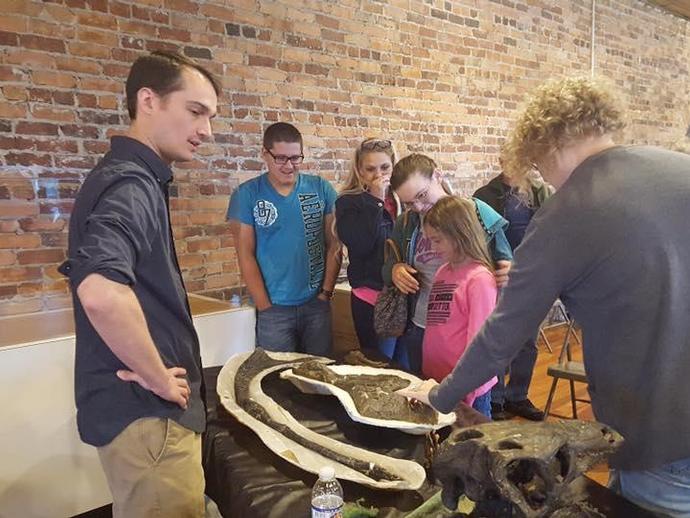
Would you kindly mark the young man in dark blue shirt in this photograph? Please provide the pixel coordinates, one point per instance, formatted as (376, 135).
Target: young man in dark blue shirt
(138, 378)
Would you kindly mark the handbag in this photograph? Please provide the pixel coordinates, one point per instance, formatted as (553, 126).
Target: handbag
(390, 310)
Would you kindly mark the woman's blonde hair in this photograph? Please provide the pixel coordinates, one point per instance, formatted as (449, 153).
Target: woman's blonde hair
(456, 218)
(353, 184)
(559, 113)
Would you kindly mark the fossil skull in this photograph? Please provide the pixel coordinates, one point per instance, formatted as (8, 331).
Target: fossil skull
(520, 469)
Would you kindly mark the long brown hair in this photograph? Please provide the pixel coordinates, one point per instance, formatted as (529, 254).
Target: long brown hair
(456, 218)
(353, 184)
(416, 163)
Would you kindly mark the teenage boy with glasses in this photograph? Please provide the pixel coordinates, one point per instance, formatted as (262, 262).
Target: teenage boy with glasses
(287, 250)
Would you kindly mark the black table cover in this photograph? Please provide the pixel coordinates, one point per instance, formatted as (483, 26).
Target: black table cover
(246, 479)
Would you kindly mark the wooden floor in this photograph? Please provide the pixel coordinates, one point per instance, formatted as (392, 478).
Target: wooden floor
(561, 406)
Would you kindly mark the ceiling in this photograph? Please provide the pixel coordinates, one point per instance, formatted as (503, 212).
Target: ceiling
(679, 7)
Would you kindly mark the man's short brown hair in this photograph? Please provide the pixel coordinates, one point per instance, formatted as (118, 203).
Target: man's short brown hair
(281, 132)
(161, 72)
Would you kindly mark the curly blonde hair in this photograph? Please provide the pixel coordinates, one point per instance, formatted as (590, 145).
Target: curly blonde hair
(560, 112)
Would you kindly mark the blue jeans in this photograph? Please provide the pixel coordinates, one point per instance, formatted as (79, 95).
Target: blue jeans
(305, 328)
(363, 319)
(482, 404)
(665, 490)
(520, 376)
(408, 350)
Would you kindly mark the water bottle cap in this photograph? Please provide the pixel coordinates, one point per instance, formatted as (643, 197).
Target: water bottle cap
(327, 473)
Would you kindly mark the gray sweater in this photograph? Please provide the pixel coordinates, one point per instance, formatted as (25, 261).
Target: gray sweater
(614, 244)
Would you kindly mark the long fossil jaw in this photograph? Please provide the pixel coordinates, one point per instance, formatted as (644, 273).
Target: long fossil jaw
(239, 387)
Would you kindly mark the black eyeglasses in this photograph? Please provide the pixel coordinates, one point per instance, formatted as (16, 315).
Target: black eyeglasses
(373, 144)
(283, 159)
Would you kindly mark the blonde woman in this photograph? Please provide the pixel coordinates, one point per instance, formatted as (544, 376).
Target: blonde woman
(364, 215)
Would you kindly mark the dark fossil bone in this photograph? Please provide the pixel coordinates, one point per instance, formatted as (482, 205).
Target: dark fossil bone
(522, 469)
(260, 361)
(373, 395)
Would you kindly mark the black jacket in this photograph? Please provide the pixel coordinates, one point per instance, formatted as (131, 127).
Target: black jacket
(495, 192)
(363, 225)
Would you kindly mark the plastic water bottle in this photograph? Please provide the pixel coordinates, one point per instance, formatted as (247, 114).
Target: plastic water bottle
(327, 495)
(235, 301)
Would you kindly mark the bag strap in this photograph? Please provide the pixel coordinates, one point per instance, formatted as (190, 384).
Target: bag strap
(392, 245)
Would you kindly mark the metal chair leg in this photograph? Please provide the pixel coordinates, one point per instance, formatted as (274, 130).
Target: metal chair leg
(570, 322)
(546, 340)
(550, 398)
(572, 398)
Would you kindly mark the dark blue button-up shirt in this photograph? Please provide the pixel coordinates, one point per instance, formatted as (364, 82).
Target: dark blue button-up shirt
(120, 229)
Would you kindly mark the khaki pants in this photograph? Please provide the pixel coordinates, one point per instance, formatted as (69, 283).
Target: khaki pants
(154, 469)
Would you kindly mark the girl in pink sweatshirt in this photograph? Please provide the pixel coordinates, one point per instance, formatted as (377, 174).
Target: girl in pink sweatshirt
(463, 294)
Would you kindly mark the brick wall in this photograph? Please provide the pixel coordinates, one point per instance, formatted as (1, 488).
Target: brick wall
(441, 77)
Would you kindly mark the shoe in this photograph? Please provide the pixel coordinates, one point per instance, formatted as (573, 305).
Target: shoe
(525, 409)
(498, 413)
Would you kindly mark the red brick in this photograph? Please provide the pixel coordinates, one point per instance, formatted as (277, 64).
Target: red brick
(8, 73)
(261, 61)
(27, 289)
(36, 128)
(54, 239)
(167, 33)
(7, 292)
(89, 50)
(13, 23)
(10, 39)
(17, 209)
(22, 190)
(59, 79)
(41, 256)
(18, 274)
(83, 66)
(203, 244)
(42, 224)
(191, 260)
(12, 110)
(131, 42)
(64, 145)
(15, 93)
(97, 5)
(98, 37)
(88, 83)
(53, 114)
(78, 130)
(76, 162)
(31, 41)
(120, 9)
(95, 19)
(29, 58)
(7, 226)
(7, 257)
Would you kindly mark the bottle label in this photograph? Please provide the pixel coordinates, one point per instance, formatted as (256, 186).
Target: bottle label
(327, 507)
(326, 513)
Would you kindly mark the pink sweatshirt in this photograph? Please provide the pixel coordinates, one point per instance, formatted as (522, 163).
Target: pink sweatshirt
(461, 300)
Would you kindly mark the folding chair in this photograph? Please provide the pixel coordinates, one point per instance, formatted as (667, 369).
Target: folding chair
(568, 369)
(558, 306)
